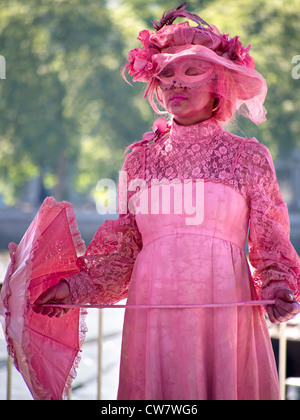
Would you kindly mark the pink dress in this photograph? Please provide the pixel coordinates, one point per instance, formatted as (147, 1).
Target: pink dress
(171, 256)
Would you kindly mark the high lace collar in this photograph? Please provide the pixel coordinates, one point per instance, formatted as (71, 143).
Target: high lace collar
(202, 131)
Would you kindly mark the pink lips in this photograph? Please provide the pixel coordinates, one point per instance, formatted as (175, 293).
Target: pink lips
(177, 97)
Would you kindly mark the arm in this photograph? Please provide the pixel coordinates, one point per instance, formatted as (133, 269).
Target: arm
(276, 263)
(105, 269)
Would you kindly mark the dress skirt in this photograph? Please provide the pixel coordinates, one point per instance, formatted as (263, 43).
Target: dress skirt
(199, 353)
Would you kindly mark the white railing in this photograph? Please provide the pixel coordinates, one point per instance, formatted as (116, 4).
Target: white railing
(281, 369)
(282, 359)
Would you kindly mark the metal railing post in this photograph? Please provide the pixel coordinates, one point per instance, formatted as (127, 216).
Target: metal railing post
(9, 373)
(282, 359)
(100, 334)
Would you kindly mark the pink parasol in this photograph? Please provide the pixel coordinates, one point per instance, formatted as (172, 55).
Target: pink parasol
(45, 350)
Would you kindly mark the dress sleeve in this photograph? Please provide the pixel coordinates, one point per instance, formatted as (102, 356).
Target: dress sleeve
(275, 261)
(105, 269)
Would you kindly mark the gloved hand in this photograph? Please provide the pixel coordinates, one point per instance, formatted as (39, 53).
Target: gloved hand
(285, 307)
(57, 294)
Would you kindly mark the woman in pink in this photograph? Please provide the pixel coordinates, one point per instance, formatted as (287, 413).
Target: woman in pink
(186, 196)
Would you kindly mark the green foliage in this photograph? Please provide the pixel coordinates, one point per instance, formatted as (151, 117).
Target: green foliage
(66, 113)
(63, 86)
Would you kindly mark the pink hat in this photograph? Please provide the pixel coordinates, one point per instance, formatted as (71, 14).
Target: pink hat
(237, 81)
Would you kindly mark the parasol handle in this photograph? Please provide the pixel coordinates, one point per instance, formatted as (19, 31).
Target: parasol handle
(145, 306)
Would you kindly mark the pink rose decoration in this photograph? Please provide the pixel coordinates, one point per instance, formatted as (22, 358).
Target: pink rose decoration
(140, 64)
(182, 34)
(160, 128)
(163, 38)
(233, 49)
(144, 37)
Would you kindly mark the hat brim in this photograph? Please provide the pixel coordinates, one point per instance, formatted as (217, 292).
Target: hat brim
(248, 82)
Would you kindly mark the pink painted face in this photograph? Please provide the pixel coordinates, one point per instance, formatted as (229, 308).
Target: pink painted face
(185, 88)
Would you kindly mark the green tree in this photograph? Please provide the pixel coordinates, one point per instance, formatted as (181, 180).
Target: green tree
(64, 116)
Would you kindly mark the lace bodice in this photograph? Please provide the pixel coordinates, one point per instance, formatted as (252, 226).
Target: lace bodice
(203, 151)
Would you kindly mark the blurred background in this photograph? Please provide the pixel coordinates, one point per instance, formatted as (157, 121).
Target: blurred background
(66, 114)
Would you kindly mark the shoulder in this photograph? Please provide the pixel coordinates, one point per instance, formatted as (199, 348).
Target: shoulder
(257, 161)
(233, 141)
(258, 154)
(134, 161)
(254, 145)
(251, 150)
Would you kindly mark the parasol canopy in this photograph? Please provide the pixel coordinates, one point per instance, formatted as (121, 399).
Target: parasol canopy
(45, 350)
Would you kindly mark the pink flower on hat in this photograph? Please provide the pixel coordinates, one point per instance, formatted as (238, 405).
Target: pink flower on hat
(140, 64)
(143, 37)
(234, 50)
(184, 34)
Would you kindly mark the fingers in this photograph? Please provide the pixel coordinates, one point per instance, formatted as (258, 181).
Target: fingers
(56, 312)
(51, 311)
(285, 295)
(285, 307)
(271, 315)
(57, 294)
(276, 316)
(47, 296)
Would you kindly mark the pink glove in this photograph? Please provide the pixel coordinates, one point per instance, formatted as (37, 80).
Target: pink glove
(285, 307)
(58, 294)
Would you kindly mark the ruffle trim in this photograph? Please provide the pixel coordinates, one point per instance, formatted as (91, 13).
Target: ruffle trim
(6, 293)
(78, 242)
